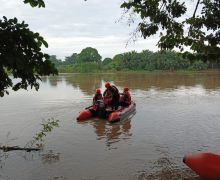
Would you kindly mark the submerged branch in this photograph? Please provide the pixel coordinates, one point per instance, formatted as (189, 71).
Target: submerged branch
(14, 148)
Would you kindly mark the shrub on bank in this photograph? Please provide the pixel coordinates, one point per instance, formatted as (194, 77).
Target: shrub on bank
(198, 65)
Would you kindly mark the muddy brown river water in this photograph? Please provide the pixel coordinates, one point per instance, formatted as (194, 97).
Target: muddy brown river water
(176, 114)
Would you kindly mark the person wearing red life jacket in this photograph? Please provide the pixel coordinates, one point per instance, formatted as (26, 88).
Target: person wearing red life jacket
(98, 105)
(98, 96)
(125, 98)
(112, 94)
(107, 96)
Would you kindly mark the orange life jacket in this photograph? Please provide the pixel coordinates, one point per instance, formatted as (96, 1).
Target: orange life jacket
(126, 97)
(97, 97)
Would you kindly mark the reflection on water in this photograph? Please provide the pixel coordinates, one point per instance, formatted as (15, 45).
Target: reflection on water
(87, 83)
(111, 133)
(170, 80)
(163, 169)
(50, 157)
(176, 114)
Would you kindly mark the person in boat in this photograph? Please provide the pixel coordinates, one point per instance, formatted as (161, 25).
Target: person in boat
(97, 99)
(98, 104)
(97, 96)
(111, 96)
(125, 99)
(107, 96)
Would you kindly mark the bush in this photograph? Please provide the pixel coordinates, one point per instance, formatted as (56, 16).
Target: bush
(198, 65)
(87, 67)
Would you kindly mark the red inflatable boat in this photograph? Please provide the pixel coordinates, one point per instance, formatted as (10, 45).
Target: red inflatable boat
(206, 165)
(111, 116)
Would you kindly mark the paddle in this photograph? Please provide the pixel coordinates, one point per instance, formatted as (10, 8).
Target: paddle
(88, 107)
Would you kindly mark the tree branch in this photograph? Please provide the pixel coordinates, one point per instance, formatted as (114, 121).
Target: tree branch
(13, 148)
(194, 14)
(196, 8)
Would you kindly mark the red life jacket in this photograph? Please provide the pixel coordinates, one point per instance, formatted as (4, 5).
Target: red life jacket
(97, 97)
(113, 90)
(126, 97)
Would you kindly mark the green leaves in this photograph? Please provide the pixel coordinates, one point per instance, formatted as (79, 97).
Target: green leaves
(35, 3)
(20, 54)
(5, 81)
(88, 54)
(45, 43)
(176, 9)
(47, 126)
(148, 29)
(199, 30)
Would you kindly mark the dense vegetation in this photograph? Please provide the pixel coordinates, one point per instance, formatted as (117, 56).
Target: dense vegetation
(89, 60)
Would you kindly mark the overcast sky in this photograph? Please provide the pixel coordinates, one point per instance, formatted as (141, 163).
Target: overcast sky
(71, 25)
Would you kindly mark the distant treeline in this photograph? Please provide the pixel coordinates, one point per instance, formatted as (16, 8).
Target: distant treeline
(89, 60)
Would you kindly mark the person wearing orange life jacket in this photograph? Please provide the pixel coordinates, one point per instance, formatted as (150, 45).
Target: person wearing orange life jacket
(112, 93)
(98, 96)
(98, 104)
(126, 97)
(107, 96)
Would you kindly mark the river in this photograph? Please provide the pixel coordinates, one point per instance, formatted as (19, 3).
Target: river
(176, 114)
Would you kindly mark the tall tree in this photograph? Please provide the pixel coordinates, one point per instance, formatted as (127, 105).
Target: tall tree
(21, 54)
(117, 61)
(70, 59)
(106, 61)
(178, 26)
(89, 54)
(55, 61)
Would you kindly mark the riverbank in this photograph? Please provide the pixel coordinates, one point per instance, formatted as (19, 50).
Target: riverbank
(147, 72)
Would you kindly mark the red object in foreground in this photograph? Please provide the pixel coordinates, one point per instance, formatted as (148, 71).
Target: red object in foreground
(84, 115)
(121, 113)
(206, 165)
(112, 116)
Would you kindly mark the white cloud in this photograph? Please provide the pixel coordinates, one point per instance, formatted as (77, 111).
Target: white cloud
(69, 26)
(108, 46)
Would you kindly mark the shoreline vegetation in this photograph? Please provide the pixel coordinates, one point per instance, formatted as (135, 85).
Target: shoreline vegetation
(146, 72)
(90, 61)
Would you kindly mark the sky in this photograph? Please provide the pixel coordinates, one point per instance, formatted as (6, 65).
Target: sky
(72, 25)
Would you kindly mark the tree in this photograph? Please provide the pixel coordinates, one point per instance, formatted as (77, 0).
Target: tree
(55, 61)
(34, 3)
(89, 55)
(106, 61)
(70, 60)
(132, 60)
(21, 55)
(200, 31)
(117, 62)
